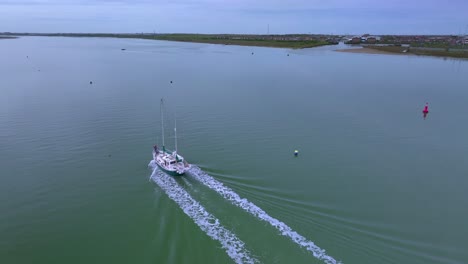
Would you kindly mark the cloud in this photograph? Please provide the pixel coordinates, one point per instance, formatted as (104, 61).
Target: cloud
(233, 16)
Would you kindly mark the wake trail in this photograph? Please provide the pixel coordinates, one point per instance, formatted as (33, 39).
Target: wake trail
(207, 222)
(259, 213)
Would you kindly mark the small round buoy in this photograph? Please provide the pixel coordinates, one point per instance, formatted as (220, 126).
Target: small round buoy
(171, 81)
(426, 108)
(296, 152)
(91, 82)
(252, 53)
(109, 155)
(288, 55)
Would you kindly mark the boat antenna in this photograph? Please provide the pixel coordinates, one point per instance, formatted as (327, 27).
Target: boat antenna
(175, 133)
(162, 124)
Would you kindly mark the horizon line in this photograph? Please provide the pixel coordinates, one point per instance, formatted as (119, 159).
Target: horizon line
(181, 33)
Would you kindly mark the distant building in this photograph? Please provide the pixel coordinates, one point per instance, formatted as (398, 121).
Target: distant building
(371, 40)
(356, 40)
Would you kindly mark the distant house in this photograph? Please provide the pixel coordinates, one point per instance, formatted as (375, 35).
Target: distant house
(356, 40)
(365, 35)
(371, 40)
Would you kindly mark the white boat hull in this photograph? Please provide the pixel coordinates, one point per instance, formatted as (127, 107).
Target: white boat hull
(170, 163)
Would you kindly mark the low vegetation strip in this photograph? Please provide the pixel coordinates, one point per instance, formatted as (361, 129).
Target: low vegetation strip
(261, 41)
(296, 41)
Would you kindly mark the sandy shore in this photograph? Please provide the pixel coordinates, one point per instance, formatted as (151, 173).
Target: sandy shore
(367, 51)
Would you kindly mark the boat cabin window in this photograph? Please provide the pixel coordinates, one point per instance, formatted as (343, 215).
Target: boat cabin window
(172, 162)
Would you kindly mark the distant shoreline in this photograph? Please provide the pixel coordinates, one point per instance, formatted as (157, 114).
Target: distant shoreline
(368, 51)
(291, 41)
(399, 50)
(8, 37)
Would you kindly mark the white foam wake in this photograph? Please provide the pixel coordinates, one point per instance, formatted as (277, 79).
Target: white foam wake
(207, 222)
(256, 211)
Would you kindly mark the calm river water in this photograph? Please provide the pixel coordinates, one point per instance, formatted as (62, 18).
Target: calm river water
(374, 182)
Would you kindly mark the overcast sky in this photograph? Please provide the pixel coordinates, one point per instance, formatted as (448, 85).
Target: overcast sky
(237, 16)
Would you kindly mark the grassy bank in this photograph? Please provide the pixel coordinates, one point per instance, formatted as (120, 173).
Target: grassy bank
(415, 51)
(7, 37)
(276, 41)
(260, 40)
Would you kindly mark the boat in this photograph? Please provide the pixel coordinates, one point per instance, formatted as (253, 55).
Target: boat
(169, 161)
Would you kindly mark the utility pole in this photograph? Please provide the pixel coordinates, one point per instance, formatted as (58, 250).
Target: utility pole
(268, 29)
(465, 37)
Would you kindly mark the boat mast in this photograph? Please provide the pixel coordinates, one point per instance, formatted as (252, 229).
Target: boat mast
(162, 124)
